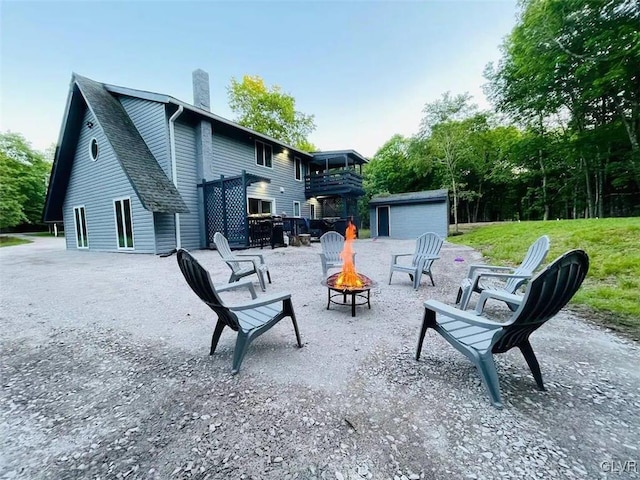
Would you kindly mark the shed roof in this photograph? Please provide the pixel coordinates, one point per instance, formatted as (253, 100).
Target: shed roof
(425, 196)
(337, 158)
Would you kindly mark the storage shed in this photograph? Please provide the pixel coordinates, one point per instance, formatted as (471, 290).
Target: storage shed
(409, 215)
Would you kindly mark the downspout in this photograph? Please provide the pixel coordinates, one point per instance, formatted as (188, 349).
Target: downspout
(174, 167)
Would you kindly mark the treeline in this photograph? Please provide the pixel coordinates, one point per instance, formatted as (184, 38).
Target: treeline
(563, 140)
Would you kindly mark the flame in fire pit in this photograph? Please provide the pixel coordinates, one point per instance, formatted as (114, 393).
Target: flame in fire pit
(349, 278)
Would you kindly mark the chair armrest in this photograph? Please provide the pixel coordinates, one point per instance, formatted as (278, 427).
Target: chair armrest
(261, 256)
(474, 267)
(237, 285)
(260, 302)
(503, 275)
(497, 295)
(462, 315)
(394, 256)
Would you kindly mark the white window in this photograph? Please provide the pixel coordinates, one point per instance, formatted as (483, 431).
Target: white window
(80, 220)
(297, 167)
(93, 149)
(264, 154)
(124, 223)
(260, 205)
(312, 210)
(296, 209)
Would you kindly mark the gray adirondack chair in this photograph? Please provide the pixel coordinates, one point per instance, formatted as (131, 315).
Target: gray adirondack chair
(250, 319)
(479, 338)
(427, 249)
(332, 244)
(513, 278)
(241, 264)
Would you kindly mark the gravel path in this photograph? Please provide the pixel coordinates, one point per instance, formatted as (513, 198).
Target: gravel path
(105, 373)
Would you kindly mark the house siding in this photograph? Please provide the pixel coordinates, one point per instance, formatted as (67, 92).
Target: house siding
(187, 172)
(95, 184)
(411, 221)
(231, 156)
(164, 225)
(150, 120)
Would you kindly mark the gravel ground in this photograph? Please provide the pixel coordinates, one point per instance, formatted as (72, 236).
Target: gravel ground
(105, 373)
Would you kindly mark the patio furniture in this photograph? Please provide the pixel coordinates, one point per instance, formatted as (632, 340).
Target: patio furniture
(332, 244)
(478, 338)
(240, 263)
(514, 277)
(427, 249)
(250, 319)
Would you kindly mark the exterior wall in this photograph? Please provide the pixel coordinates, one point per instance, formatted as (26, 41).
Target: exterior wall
(96, 184)
(164, 225)
(411, 221)
(188, 180)
(150, 120)
(231, 156)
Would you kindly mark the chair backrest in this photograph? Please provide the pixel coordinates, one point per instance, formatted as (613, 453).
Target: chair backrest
(222, 246)
(427, 244)
(533, 259)
(199, 280)
(332, 244)
(546, 294)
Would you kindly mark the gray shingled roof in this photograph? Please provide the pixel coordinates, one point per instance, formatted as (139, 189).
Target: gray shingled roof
(156, 192)
(425, 196)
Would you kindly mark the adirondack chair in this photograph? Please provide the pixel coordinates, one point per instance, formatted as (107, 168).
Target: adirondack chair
(427, 249)
(250, 319)
(332, 244)
(241, 264)
(513, 278)
(479, 338)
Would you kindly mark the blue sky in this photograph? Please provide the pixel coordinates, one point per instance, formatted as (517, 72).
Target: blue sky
(364, 69)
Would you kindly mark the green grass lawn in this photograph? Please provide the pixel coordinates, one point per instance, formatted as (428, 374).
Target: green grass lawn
(11, 241)
(612, 287)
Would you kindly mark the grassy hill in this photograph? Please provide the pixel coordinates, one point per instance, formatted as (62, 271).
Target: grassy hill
(611, 290)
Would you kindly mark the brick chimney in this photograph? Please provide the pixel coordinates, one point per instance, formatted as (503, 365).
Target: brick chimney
(201, 95)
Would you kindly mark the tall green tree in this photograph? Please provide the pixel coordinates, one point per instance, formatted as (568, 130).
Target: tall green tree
(23, 181)
(270, 111)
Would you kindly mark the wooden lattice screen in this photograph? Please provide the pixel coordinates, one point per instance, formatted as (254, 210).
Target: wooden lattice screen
(225, 208)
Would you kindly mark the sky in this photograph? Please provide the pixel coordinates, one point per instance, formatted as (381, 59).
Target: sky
(364, 69)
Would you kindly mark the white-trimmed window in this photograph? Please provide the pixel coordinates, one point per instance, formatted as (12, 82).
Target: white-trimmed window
(260, 205)
(297, 167)
(264, 154)
(124, 223)
(296, 209)
(93, 149)
(312, 210)
(80, 221)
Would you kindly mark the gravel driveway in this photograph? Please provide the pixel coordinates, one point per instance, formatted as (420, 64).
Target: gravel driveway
(105, 374)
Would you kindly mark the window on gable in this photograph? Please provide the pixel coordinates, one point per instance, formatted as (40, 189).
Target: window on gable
(264, 154)
(124, 224)
(297, 166)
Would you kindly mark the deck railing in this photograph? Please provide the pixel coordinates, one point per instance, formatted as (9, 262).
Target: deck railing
(333, 181)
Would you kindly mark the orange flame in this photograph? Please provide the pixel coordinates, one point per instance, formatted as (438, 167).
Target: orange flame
(348, 277)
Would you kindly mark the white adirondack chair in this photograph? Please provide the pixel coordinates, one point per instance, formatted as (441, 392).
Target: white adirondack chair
(332, 244)
(513, 278)
(427, 249)
(241, 264)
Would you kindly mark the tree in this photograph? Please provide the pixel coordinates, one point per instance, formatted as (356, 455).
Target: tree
(270, 111)
(23, 181)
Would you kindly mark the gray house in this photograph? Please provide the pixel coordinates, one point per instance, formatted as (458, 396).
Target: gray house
(136, 171)
(408, 215)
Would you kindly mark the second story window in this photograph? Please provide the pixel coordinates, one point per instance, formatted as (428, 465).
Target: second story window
(264, 154)
(297, 167)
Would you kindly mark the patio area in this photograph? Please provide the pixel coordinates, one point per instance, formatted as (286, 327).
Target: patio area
(106, 373)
